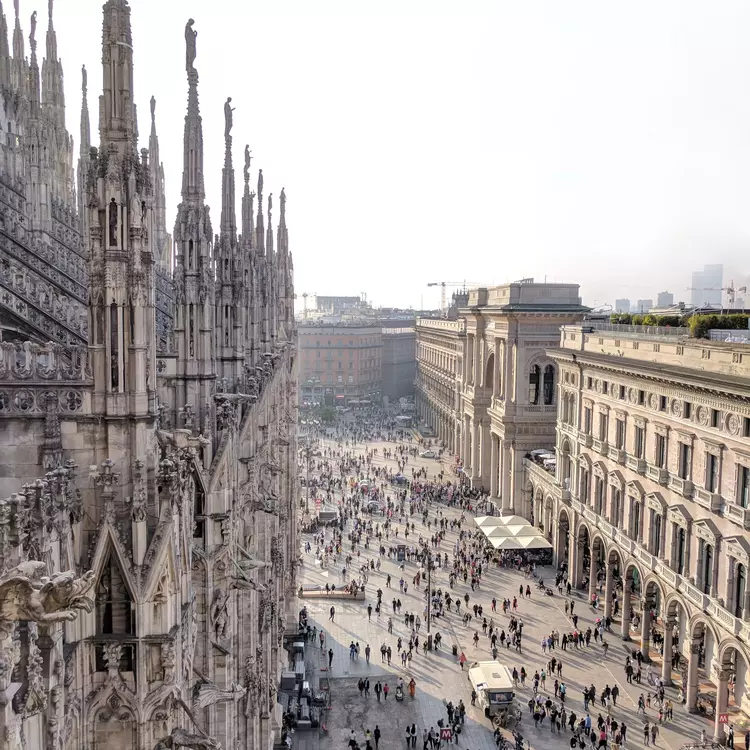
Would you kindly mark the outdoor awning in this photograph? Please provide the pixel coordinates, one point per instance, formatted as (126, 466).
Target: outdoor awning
(521, 531)
(486, 520)
(507, 542)
(510, 521)
(534, 542)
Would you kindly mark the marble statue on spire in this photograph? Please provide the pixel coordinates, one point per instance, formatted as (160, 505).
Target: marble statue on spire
(228, 117)
(248, 158)
(84, 79)
(32, 34)
(260, 187)
(282, 203)
(49, 9)
(153, 110)
(16, 7)
(190, 51)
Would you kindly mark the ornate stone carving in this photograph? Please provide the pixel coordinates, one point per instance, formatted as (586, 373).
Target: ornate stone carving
(219, 613)
(27, 595)
(208, 694)
(182, 738)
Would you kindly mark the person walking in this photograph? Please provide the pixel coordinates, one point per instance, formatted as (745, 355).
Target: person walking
(333, 612)
(330, 657)
(376, 736)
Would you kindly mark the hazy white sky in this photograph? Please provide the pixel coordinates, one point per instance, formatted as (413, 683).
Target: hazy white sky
(420, 140)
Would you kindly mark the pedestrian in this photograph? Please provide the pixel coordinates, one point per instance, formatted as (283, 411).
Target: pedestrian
(386, 689)
(376, 735)
(367, 653)
(330, 657)
(333, 612)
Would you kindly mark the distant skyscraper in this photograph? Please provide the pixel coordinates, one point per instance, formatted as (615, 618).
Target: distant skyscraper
(622, 305)
(644, 305)
(665, 299)
(707, 284)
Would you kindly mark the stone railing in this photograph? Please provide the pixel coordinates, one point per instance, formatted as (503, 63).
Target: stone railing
(29, 362)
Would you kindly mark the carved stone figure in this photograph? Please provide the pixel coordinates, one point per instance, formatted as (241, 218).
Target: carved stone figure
(282, 203)
(248, 159)
(181, 738)
(113, 222)
(27, 595)
(227, 117)
(208, 694)
(190, 44)
(32, 34)
(219, 614)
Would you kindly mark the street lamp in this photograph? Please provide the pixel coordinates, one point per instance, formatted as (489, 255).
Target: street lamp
(429, 599)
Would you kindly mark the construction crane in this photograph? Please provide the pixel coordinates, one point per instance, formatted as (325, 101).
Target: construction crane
(444, 284)
(731, 291)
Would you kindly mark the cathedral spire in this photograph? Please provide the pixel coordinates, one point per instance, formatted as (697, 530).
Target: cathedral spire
(247, 205)
(18, 50)
(4, 49)
(117, 118)
(228, 216)
(85, 122)
(192, 168)
(260, 242)
(52, 76)
(34, 89)
(282, 241)
(162, 244)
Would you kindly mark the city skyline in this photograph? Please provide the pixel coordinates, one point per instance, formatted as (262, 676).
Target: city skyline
(544, 162)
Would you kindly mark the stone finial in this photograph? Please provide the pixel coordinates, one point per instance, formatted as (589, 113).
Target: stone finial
(153, 110)
(248, 159)
(84, 81)
(16, 8)
(50, 3)
(282, 204)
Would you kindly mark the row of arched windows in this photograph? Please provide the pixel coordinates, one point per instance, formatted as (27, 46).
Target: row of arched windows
(542, 384)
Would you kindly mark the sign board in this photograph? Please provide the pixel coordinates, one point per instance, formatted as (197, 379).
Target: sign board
(401, 552)
(723, 718)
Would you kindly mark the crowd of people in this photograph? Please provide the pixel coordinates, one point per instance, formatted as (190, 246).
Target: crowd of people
(408, 522)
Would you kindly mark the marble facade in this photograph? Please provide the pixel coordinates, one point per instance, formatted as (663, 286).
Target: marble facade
(147, 402)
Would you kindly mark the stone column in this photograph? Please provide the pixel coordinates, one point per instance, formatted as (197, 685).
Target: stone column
(505, 469)
(666, 666)
(691, 699)
(475, 465)
(608, 588)
(573, 559)
(486, 456)
(646, 628)
(722, 700)
(496, 373)
(494, 461)
(625, 634)
(592, 574)
(467, 445)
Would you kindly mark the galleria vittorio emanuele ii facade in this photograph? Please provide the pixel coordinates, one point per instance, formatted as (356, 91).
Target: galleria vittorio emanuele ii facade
(147, 407)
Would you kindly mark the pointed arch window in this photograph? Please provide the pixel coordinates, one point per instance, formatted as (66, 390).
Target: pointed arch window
(534, 384)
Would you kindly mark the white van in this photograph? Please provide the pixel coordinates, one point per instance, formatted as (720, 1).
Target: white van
(493, 683)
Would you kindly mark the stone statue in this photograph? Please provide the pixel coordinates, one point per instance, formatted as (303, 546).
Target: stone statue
(32, 35)
(16, 7)
(153, 109)
(260, 189)
(282, 203)
(219, 614)
(247, 162)
(28, 595)
(208, 694)
(84, 80)
(228, 117)
(181, 738)
(113, 222)
(190, 50)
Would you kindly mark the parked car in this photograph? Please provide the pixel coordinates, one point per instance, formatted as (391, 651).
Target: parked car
(428, 454)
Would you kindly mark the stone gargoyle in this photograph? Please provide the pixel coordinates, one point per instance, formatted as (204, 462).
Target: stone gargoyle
(181, 738)
(28, 595)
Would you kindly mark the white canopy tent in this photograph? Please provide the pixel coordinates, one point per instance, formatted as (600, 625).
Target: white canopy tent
(535, 542)
(507, 542)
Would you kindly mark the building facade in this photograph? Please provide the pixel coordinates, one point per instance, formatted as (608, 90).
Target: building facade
(340, 363)
(652, 489)
(399, 361)
(508, 383)
(706, 286)
(440, 356)
(664, 299)
(622, 305)
(173, 552)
